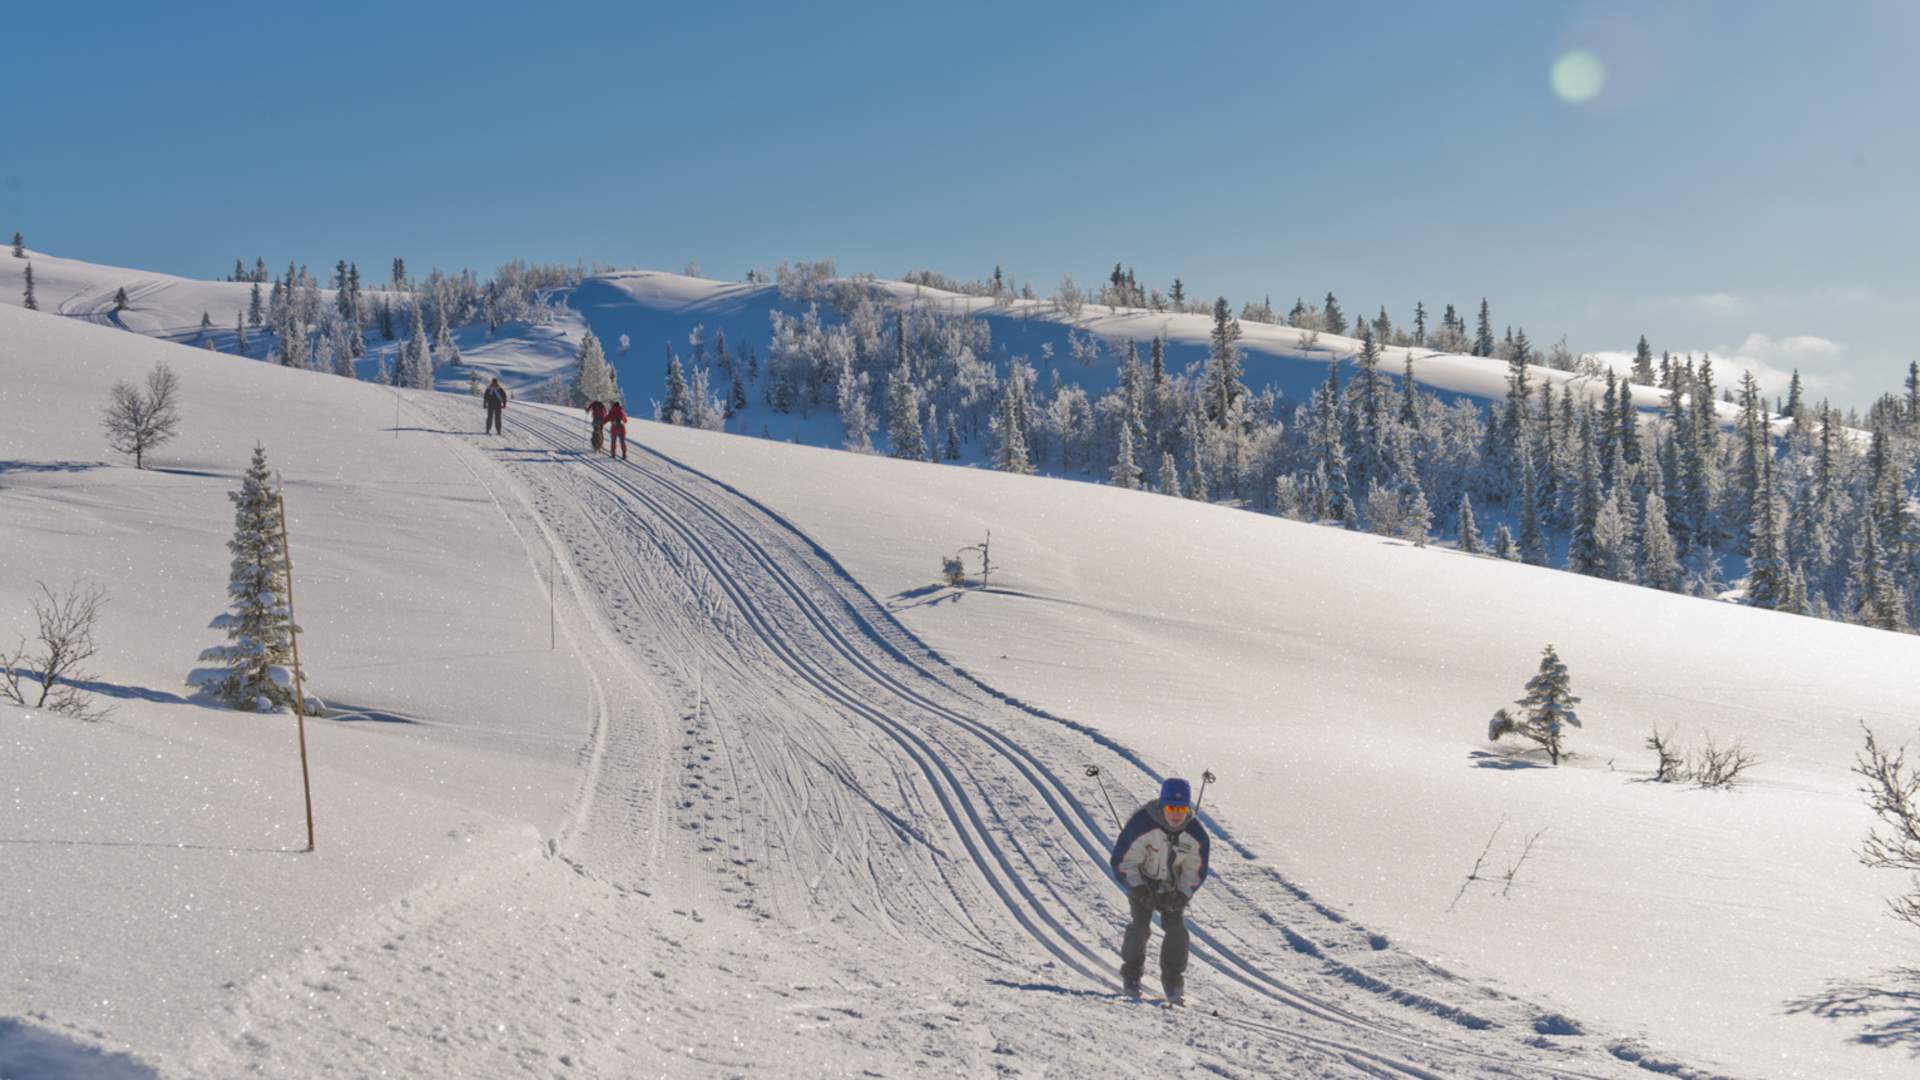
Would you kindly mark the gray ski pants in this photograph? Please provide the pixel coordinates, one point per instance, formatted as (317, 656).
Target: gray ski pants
(1173, 949)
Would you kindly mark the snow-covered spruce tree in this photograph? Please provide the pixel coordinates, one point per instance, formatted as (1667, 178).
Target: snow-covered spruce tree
(1469, 532)
(256, 307)
(239, 335)
(1010, 441)
(137, 422)
(1168, 480)
(1125, 473)
(1768, 575)
(254, 674)
(705, 410)
(675, 408)
(1533, 546)
(1503, 545)
(1546, 709)
(853, 391)
(416, 356)
(1879, 602)
(952, 452)
(1659, 562)
(1483, 335)
(1332, 317)
(1222, 373)
(903, 417)
(592, 378)
(26, 295)
(19, 247)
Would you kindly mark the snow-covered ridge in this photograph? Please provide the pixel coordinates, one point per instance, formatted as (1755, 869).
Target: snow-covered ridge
(654, 309)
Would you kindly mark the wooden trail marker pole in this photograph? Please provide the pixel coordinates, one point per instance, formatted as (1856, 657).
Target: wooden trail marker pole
(293, 635)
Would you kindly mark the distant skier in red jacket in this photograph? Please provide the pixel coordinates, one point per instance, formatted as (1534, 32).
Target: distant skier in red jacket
(597, 412)
(617, 430)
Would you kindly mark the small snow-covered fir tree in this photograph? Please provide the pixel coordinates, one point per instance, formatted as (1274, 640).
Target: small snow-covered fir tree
(903, 417)
(1125, 473)
(1469, 531)
(1168, 481)
(19, 247)
(853, 392)
(416, 357)
(26, 295)
(953, 440)
(255, 672)
(1546, 709)
(676, 407)
(1503, 545)
(1659, 562)
(592, 380)
(1010, 441)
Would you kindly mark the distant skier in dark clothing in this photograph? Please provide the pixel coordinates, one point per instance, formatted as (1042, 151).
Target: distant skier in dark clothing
(1161, 857)
(496, 400)
(597, 412)
(617, 430)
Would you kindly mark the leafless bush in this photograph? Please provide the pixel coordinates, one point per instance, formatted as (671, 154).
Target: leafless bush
(63, 643)
(1893, 790)
(1715, 766)
(1671, 767)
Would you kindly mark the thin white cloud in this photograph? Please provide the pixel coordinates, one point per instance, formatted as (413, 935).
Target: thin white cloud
(1772, 361)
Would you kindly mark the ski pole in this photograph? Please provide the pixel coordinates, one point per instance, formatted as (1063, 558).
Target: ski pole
(1206, 777)
(1094, 771)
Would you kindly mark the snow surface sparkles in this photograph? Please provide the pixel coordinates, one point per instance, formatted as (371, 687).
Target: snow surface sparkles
(743, 823)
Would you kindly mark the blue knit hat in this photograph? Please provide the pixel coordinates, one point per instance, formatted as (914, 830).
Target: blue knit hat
(1176, 792)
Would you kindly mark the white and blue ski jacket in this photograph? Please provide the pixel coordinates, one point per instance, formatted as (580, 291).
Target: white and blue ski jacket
(1151, 852)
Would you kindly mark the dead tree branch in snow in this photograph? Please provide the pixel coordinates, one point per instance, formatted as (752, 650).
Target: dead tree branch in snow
(1505, 878)
(1672, 766)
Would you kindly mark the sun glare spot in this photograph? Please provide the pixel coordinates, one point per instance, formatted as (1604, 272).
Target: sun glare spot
(1578, 77)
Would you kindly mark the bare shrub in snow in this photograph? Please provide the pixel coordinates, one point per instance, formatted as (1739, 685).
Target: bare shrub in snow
(137, 422)
(1671, 766)
(1717, 766)
(1893, 790)
(63, 643)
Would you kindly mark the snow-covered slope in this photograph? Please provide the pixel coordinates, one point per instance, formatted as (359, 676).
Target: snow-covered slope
(145, 865)
(775, 807)
(1339, 684)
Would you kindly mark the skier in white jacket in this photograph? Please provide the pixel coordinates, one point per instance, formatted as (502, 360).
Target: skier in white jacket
(1161, 857)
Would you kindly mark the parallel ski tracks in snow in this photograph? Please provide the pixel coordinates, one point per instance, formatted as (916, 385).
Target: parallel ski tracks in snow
(719, 527)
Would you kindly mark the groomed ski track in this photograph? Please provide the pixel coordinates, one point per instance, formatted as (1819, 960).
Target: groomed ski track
(783, 778)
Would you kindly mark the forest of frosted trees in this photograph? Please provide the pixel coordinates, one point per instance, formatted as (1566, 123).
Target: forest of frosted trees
(1809, 511)
(1645, 483)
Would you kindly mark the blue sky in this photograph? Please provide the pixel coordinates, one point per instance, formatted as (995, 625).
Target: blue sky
(1743, 182)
